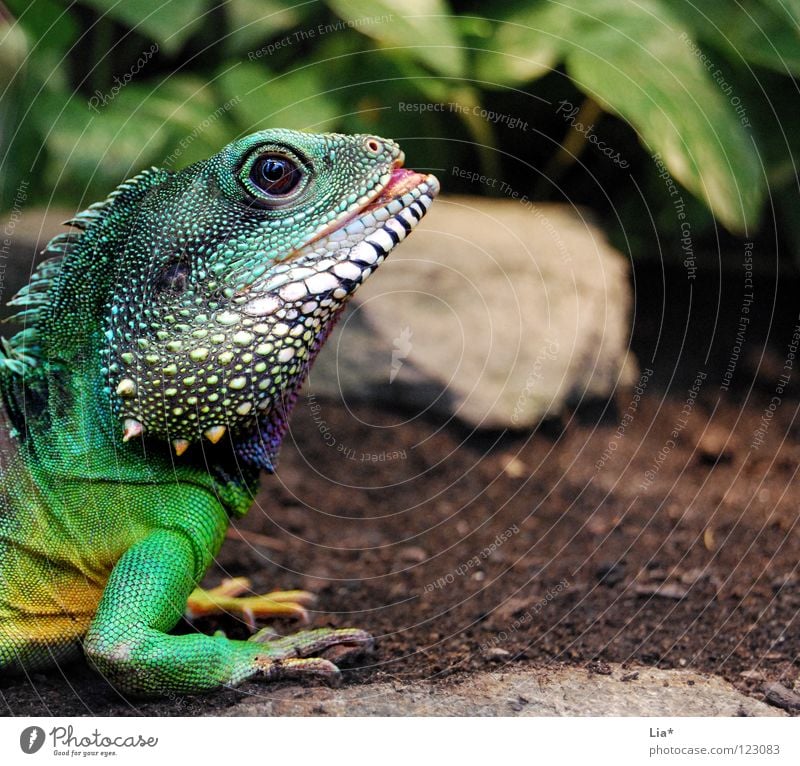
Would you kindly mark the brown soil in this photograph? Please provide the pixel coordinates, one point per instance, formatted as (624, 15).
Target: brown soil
(695, 566)
(697, 570)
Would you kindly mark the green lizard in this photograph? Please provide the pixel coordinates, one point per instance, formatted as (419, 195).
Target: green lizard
(165, 340)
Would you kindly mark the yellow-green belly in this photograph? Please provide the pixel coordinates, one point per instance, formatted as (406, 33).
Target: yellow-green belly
(46, 606)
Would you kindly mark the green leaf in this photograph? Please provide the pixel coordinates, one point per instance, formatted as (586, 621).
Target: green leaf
(47, 24)
(13, 51)
(297, 100)
(765, 33)
(639, 62)
(256, 22)
(168, 124)
(169, 22)
(423, 29)
(198, 123)
(514, 53)
(14, 87)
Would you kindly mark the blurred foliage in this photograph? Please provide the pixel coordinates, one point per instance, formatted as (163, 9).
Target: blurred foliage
(96, 89)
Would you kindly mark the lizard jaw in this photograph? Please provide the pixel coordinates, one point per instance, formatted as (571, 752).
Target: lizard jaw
(274, 328)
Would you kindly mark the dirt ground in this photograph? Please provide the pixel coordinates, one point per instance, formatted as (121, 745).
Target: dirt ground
(699, 570)
(658, 531)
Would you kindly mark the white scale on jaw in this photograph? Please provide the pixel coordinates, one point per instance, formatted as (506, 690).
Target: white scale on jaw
(334, 261)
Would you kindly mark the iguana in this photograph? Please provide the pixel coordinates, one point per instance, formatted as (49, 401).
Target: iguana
(165, 338)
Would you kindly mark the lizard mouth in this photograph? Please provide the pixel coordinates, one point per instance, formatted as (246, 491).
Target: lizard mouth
(401, 182)
(329, 268)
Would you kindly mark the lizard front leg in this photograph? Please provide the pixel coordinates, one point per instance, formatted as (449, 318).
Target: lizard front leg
(144, 598)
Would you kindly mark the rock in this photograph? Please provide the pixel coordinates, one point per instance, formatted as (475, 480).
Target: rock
(496, 313)
(663, 590)
(715, 445)
(413, 554)
(778, 695)
(564, 691)
(496, 654)
(600, 668)
(610, 573)
(514, 468)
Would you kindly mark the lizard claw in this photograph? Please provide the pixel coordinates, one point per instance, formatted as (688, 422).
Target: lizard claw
(288, 656)
(265, 635)
(309, 642)
(301, 667)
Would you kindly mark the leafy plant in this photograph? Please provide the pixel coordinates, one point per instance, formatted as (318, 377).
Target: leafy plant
(706, 86)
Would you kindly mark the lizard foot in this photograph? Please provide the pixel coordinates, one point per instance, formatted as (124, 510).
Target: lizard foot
(226, 598)
(290, 656)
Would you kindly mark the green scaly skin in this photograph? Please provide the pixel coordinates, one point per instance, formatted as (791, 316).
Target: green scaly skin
(165, 340)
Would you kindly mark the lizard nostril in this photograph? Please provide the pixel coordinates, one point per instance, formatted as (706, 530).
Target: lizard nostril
(374, 145)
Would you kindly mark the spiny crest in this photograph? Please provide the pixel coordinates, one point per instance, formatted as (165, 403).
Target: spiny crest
(24, 348)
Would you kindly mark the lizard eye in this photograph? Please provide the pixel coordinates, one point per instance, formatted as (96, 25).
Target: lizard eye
(275, 174)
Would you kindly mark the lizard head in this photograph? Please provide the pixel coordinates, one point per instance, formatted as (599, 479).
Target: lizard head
(236, 269)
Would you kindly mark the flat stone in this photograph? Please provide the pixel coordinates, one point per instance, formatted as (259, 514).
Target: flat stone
(777, 694)
(562, 691)
(495, 312)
